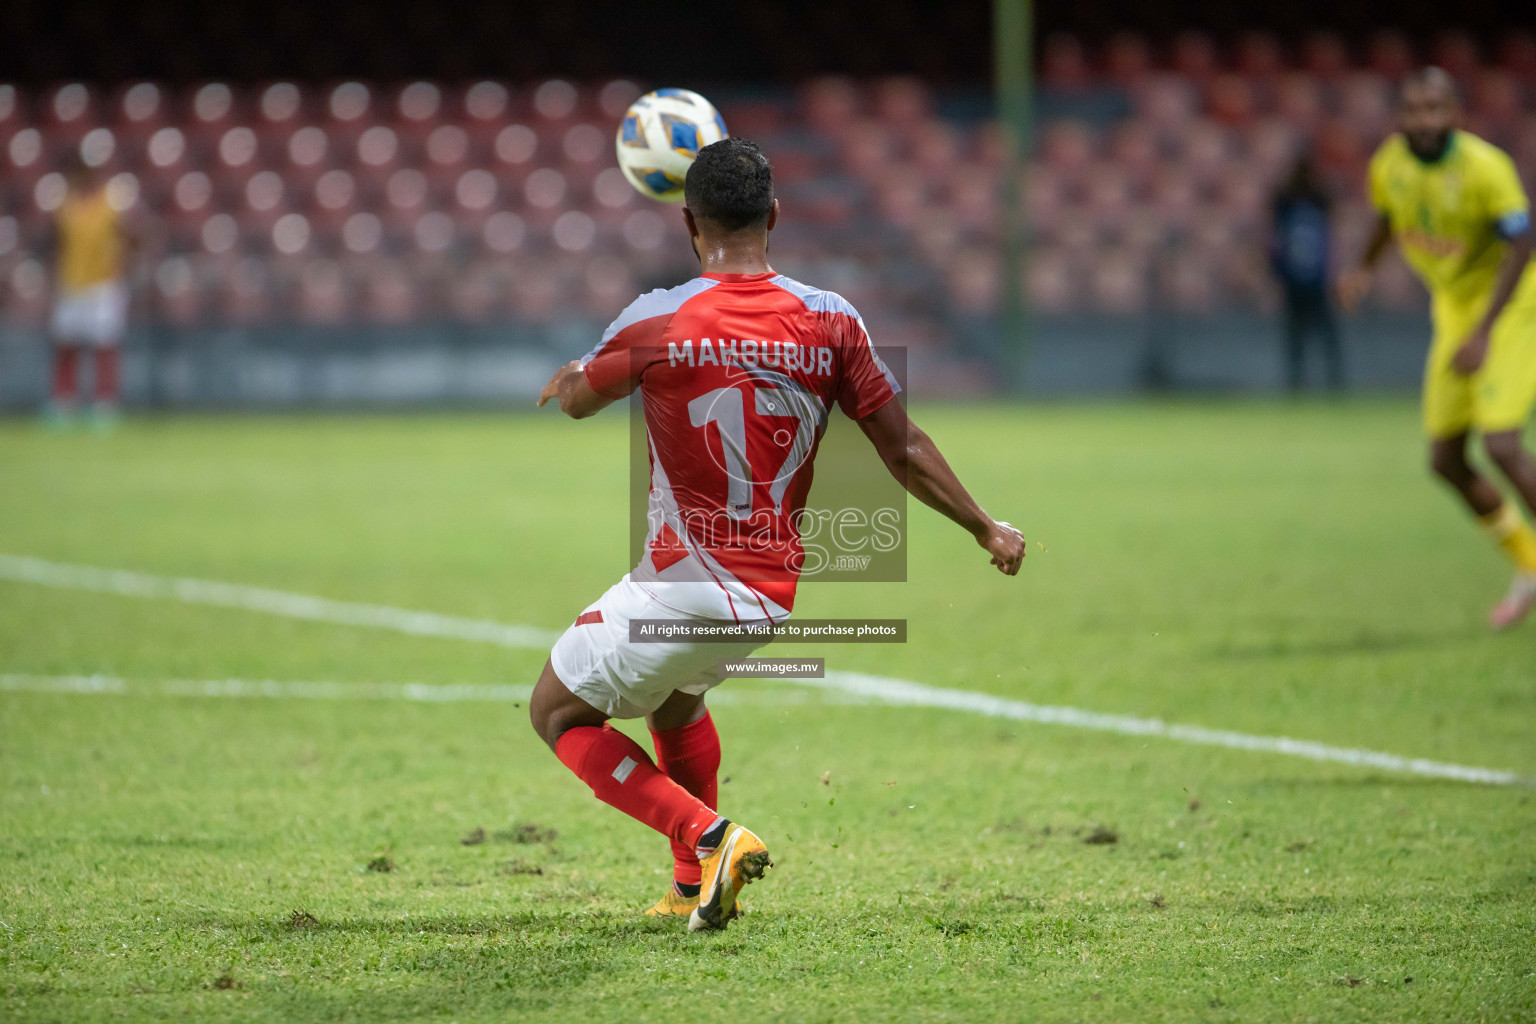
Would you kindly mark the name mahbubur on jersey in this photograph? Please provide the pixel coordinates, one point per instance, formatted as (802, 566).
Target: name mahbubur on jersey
(781, 355)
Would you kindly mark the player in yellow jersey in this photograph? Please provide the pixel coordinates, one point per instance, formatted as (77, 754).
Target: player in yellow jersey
(1456, 208)
(92, 240)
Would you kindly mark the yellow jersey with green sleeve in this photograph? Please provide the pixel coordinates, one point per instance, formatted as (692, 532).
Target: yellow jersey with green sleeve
(1453, 218)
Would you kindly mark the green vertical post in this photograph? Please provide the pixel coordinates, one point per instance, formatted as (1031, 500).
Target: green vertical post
(1012, 31)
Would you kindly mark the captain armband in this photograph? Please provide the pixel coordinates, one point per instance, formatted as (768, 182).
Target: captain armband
(1513, 225)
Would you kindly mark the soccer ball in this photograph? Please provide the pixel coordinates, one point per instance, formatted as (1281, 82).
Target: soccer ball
(660, 135)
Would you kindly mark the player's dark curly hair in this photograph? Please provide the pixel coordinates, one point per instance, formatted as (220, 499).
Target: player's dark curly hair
(730, 184)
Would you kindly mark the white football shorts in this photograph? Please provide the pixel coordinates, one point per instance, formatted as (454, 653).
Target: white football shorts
(95, 316)
(597, 662)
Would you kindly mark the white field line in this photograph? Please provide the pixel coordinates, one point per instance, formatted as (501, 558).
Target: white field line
(879, 689)
(274, 602)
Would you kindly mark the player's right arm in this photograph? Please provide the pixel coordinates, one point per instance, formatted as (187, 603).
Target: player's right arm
(612, 370)
(916, 462)
(1355, 282)
(572, 393)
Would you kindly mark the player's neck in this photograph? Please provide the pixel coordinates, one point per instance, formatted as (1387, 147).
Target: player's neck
(733, 254)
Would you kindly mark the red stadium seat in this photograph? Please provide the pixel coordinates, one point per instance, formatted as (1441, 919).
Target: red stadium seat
(936, 236)
(1108, 196)
(1325, 56)
(1175, 196)
(1050, 282)
(26, 292)
(1194, 57)
(1118, 283)
(1230, 99)
(214, 106)
(1338, 149)
(447, 148)
(536, 292)
(503, 233)
(418, 108)
(1260, 57)
(474, 295)
(362, 234)
(1496, 97)
(614, 98)
(239, 149)
(556, 100)
(70, 110)
(831, 105)
(1390, 55)
(866, 147)
(901, 194)
(974, 281)
(1457, 52)
(973, 194)
(281, 104)
(753, 120)
(178, 294)
(1270, 148)
(389, 292)
(1067, 146)
(609, 286)
(1133, 147)
(1165, 102)
(139, 110)
(1127, 60)
(1365, 102)
(935, 145)
(1065, 63)
(245, 292)
(1517, 54)
(1299, 100)
(1188, 282)
(902, 102)
(13, 114)
(1206, 149)
(323, 294)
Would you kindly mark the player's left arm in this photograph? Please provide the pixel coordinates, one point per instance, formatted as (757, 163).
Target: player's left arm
(1517, 256)
(576, 398)
(1512, 222)
(918, 465)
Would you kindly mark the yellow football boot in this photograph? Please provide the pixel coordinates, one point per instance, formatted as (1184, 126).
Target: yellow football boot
(740, 859)
(675, 904)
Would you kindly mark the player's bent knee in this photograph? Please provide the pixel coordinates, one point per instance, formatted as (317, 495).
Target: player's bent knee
(1504, 449)
(554, 709)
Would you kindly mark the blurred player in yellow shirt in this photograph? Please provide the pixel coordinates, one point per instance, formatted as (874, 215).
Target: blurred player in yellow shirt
(1456, 208)
(90, 307)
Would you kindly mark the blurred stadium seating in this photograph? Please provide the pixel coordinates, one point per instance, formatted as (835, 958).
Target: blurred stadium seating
(494, 203)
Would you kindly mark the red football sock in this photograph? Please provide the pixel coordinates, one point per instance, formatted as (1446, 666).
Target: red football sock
(66, 372)
(106, 373)
(622, 775)
(691, 758)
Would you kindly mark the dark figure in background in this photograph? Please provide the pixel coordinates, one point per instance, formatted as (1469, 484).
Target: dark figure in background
(1298, 251)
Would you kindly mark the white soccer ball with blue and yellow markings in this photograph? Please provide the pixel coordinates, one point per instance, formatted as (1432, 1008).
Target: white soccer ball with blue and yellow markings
(660, 135)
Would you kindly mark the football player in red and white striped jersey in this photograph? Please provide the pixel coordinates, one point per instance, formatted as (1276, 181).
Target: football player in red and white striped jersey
(737, 371)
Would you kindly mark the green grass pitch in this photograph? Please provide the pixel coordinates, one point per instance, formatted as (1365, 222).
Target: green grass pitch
(1273, 569)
